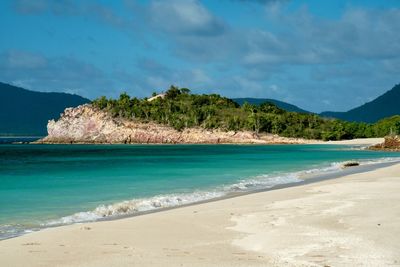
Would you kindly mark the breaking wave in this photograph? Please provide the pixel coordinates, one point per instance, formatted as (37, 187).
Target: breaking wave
(134, 206)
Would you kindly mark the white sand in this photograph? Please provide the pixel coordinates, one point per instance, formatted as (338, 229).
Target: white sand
(361, 142)
(349, 221)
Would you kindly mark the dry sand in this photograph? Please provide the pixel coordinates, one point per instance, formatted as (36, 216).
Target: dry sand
(360, 142)
(348, 221)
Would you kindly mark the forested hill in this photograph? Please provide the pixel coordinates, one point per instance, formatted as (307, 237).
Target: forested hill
(24, 112)
(180, 109)
(384, 106)
(279, 104)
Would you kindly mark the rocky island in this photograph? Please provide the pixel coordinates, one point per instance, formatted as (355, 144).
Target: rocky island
(88, 124)
(178, 116)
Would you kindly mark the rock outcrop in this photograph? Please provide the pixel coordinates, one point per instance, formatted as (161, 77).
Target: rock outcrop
(391, 143)
(87, 124)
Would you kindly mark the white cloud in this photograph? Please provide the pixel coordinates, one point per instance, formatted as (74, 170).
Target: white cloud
(308, 56)
(19, 59)
(185, 17)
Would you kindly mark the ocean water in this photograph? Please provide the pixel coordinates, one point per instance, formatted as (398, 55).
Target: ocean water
(17, 139)
(48, 185)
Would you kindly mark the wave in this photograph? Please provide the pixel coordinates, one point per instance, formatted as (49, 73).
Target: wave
(135, 206)
(379, 161)
(260, 182)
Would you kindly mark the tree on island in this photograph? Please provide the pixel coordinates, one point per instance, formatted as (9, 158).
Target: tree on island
(181, 109)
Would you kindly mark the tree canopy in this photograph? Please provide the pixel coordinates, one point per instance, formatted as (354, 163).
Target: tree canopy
(180, 109)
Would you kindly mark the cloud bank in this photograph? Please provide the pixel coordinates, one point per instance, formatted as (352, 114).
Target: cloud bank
(289, 52)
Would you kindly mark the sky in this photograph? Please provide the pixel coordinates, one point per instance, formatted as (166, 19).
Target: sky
(319, 55)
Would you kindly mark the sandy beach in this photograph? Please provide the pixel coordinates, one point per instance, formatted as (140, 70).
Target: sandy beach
(349, 221)
(363, 142)
(360, 142)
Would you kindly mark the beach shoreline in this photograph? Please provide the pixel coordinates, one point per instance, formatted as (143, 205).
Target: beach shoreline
(363, 142)
(217, 225)
(303, 177)
(360, 141)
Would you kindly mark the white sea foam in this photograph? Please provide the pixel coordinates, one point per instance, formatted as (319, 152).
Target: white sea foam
(134, 206)
(378, 161)
(263, 182)
(268, 181)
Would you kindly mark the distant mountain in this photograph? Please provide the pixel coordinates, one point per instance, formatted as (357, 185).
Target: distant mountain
(24, 112)
(280, 104)
(384, 106)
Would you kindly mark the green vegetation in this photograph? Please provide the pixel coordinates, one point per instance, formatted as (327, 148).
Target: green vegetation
(181, 109)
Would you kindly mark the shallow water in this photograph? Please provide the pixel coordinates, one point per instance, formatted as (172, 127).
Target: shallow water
(42, 185)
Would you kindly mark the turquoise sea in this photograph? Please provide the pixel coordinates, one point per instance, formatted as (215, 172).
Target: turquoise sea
(48, 185)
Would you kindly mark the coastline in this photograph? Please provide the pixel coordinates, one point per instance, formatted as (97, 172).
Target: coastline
(136, 207)
(362, 142)
(249, 179)
(223, 225)
(87, 124)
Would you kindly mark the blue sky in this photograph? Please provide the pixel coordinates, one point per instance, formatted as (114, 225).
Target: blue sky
(319, 55)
